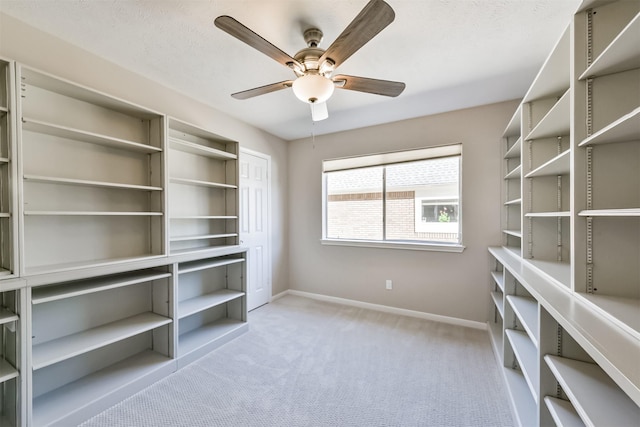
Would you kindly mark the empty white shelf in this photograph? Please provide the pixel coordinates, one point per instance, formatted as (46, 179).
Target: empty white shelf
(5, 215)
(513, 202)
(556, 122)
(594, 395)
(205, 217)
(206, 264)
(201, 237)
(558, 271)
(201, 150)
(85, 136)
(515, 173)
(207, 334)
(498, 276)
(559, 165)
(497, 300)
(7, 372)
(60, 402)
(513, 128)
(548, 214)
(89, 213)
(203, 302)
(4, 160)
(88, 183)
(515, 233)
(622, 54)
(7, 316)
(626, 128)
(527, 356)
(199, 183)
(63, 348)
(3, 110)
(525, 406)
(43, 294)
(554, 77)
(514, 150)
(625, 311)
(563, 412)
(527, 311)
(58, 267)
(630, 212)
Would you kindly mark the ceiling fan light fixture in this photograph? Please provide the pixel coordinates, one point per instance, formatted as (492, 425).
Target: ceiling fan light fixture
(313, 88)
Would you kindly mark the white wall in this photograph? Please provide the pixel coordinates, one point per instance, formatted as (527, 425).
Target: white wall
(447, 284)
(32, 47)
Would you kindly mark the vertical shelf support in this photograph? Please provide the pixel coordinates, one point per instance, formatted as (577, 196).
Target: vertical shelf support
(589, 219)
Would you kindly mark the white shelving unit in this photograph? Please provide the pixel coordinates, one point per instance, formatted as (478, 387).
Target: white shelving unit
(211, 304)
(104, 207)
(82, 328)
(593, 394)
(608, 145)
(102, 200)
(12, 379)
(546, 162)
(512, 184)
(203, 180)
(8, 200)
(572, 326)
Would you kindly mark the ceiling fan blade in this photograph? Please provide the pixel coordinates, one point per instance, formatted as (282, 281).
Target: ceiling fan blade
(248, 36)
(250, 93)
(375, 16)
(319, 111)
(364, 84)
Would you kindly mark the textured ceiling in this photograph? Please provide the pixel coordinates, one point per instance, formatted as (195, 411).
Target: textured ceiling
(450, 53)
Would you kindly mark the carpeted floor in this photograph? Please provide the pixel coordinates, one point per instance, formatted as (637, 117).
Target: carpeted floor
(311, 363)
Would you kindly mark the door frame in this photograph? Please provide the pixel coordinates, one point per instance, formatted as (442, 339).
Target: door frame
(266, 157)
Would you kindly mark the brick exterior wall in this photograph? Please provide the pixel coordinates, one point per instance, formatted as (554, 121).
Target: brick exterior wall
(368, 208)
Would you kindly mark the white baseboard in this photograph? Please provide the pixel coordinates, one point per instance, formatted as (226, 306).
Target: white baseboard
(280, 295)
(385, 309)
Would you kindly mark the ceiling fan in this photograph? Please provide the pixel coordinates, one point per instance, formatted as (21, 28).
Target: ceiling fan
(314, 67)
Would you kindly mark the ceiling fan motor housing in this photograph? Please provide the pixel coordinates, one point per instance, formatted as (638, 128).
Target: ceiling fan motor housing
(313, 37)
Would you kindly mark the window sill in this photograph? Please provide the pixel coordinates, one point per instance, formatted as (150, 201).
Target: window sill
(435, 247)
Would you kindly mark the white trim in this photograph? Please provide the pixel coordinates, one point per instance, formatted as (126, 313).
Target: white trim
(389, 158)
(395, 245)
(387, 309)
(280, 295)
(266, 157)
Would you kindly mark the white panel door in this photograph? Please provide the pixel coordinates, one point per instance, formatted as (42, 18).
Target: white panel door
(254, 225)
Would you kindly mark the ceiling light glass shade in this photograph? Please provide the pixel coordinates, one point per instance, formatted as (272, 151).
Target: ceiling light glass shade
(313, 88)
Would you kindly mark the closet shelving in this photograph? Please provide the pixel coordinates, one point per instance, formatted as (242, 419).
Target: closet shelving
(91, 338)
(598, 400)
(512, 187)
(608, 142)
(569, 328)
(102, 200)
(546, 165)
(581, 202)
(90, 258)
(203, 176)
(8, 202)
(497, 296)
(12, 379)
(211, 304)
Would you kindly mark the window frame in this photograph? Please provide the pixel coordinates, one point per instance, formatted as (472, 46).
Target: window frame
(385, 159)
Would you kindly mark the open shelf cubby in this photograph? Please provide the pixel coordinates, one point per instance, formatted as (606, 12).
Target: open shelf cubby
(103, 198)
(118, 324)
(203, 177)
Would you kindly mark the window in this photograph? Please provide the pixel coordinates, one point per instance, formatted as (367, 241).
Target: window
(404, 199)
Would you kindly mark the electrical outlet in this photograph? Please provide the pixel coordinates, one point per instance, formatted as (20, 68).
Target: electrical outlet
(389, 284)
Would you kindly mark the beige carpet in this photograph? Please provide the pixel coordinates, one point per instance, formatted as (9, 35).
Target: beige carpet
(311, 363)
